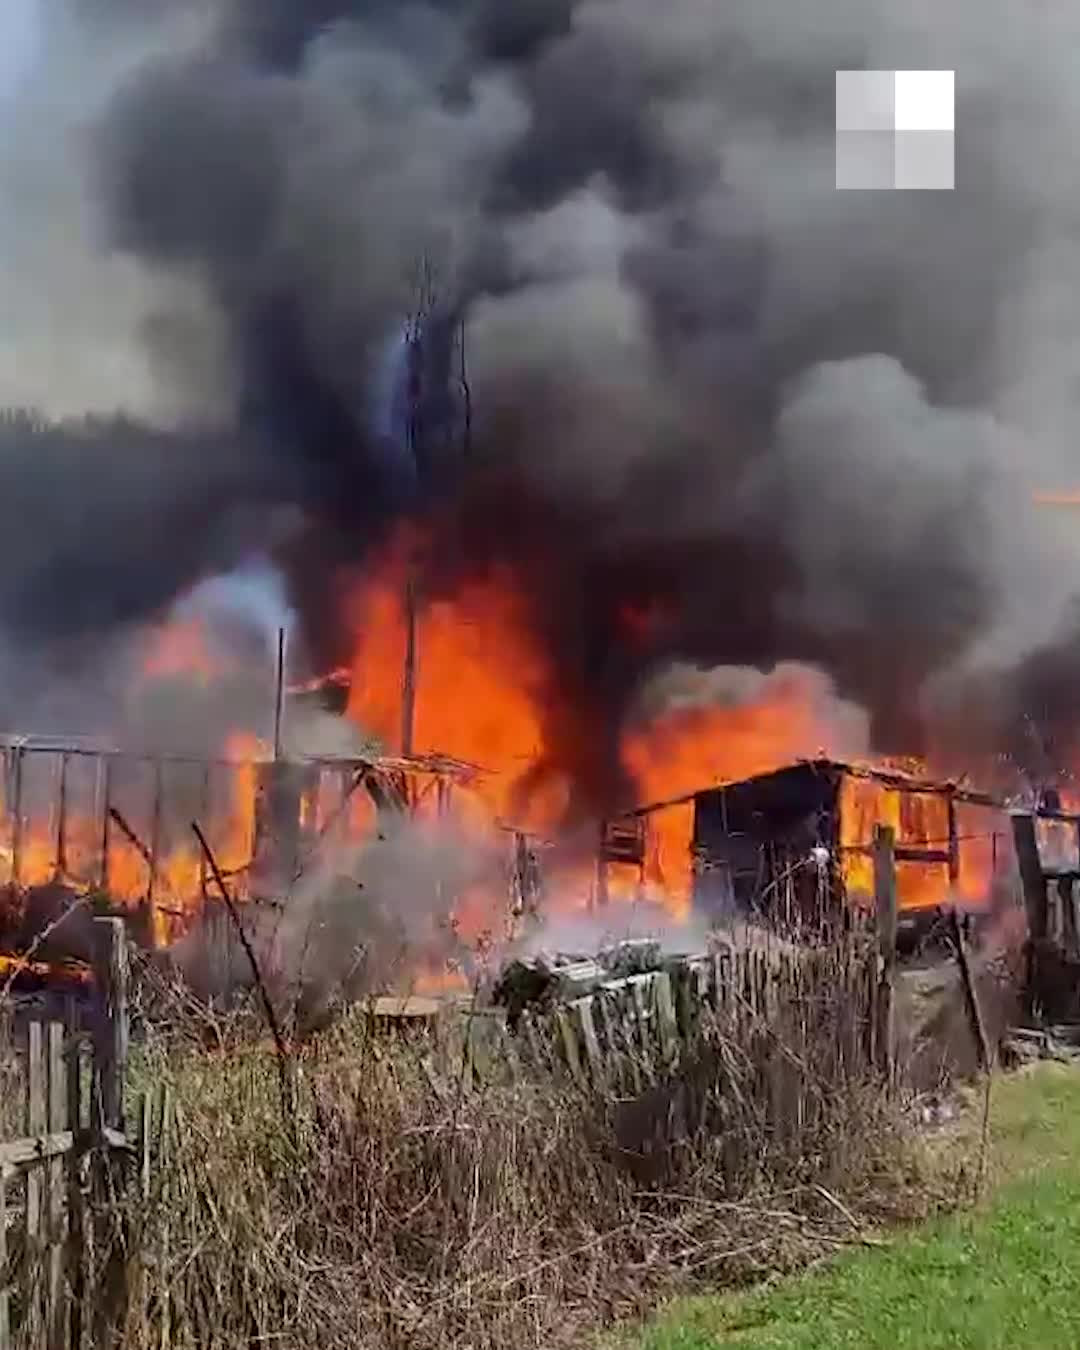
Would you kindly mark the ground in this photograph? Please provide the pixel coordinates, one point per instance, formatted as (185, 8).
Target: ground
(1001, 1276)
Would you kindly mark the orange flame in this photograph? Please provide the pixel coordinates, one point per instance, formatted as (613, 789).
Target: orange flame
(480, 682)
(484, 693)
(481, 685)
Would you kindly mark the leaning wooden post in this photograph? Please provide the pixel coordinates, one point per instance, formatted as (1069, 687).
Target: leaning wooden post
(885, 905)
(971, 996)
(112, 973)
(156, 822)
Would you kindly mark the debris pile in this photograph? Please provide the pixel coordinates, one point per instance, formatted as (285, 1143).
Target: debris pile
(540, 983)
(1028, 1045)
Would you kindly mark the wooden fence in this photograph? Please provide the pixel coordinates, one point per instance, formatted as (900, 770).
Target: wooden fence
(640, 1025)
(71, 1089)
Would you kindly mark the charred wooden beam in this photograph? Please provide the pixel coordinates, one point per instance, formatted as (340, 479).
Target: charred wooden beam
(623, 841)
(387, 791)
(1031, 876)
(1066, 889)
(971, 995)
(132, 838)
(912, 853)
(886, 909)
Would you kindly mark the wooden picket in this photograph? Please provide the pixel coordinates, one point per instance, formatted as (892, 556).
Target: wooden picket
(42, 1257)
(629, 1030)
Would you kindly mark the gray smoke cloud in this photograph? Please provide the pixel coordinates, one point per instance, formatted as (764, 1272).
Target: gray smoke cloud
(810, 420)
(88, 329)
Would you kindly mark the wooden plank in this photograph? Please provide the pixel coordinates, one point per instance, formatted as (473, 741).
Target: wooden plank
(41, 1148)
(145, 1136)
(76, 1251)
(1031, 875)
(1036, 902)
(112, 1030)
(55, 1210)
(640, 996)
(36, 1117)
(571, 1046)
(886, 914)
(582, 1010)
(165, 1129)
(6, 1276)
(667, 1028)
(407, 1007)
(1066, 889)
(912, 853)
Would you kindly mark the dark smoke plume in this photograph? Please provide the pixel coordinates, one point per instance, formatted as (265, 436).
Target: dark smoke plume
(799, 424)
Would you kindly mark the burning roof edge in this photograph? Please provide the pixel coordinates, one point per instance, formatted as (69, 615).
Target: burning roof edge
(444, 766)
(893, 778)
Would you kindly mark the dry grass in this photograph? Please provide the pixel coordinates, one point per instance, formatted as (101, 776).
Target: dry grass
(404, 1204)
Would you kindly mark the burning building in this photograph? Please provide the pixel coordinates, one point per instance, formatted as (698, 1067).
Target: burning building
(589, 435)
(797, 843)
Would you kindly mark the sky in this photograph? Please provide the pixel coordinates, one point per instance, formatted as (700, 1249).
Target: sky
(18, 23)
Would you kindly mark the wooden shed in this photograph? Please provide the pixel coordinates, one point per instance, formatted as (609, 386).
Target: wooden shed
(799, 840)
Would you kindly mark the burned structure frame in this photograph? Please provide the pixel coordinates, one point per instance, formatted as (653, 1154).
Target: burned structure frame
(797, 842)
(74, 816)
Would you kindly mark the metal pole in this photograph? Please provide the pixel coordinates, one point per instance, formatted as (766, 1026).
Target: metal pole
(408, 682)
(17, 819)
(60, 870)
(279, 699)
(106, 820)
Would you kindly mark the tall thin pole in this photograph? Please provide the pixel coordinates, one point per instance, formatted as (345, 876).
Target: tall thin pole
(279, 700)
(408, 679)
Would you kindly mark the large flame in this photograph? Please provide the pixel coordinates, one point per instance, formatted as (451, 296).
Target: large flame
(482, 692)
(480, 682)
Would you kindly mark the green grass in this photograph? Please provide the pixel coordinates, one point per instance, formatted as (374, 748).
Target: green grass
(1004, 1275)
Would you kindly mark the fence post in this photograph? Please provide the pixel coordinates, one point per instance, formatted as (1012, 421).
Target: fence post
(971, 994)
(76, 1251)
(5, 1274)
(112, 974)
(56, 1089)
(33, 1248)
(885, 906)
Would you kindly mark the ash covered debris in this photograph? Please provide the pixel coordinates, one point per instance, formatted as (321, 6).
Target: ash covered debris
(540, 982)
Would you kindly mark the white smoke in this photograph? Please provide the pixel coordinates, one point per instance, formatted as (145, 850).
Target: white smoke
(252, 597)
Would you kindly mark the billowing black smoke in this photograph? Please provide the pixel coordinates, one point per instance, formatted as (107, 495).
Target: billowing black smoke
(701, 382)
(106, 519)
